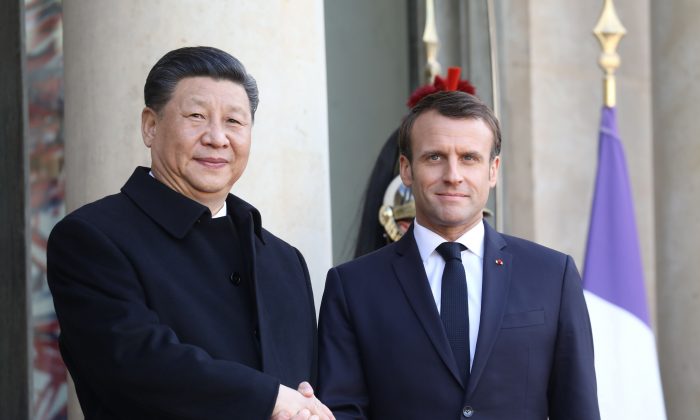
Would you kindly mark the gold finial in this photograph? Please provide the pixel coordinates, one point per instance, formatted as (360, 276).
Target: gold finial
(609, 32)
(430, 38)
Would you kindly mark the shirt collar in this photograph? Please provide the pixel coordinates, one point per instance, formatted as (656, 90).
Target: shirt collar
(221, 212)
(177, 213)
(428, 241)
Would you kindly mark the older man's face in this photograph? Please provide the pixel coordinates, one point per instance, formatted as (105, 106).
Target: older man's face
(200, 140)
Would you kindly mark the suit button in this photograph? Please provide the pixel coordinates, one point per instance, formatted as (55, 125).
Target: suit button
(235, 278)
(467, 411)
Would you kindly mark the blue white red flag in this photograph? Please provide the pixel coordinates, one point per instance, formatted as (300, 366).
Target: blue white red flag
(627, 369)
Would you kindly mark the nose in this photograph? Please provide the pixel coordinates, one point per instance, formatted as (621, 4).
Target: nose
(452, 174)
(215, 135)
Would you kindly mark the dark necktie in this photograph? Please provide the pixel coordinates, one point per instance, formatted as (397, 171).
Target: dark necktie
(454, 306)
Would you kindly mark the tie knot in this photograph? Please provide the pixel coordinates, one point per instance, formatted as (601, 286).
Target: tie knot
(451, 250)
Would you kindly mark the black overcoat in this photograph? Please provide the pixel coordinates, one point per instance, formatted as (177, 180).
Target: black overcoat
(168, 313)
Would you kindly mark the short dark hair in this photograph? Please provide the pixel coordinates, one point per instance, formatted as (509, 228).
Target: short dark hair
(452, 104)
(192, 62)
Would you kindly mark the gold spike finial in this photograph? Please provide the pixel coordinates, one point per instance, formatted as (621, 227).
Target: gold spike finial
(430, 38)
(609, 32)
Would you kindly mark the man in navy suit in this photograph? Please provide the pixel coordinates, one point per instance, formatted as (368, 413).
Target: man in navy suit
(173, 301)
(455, 320)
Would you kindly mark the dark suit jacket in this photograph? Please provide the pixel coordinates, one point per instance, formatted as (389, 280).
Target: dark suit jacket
(383, 352)
(153, 321)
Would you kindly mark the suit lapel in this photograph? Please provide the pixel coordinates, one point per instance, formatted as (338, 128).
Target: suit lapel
(496, 283)
(410, 273)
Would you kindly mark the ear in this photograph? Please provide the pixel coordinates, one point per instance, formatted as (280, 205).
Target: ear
(405, 171)
(493, 171)
(149, 126)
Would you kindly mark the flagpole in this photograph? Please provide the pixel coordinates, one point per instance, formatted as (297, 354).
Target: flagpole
(496, 99)
(609, 32)
(431, 41)
(626, 361)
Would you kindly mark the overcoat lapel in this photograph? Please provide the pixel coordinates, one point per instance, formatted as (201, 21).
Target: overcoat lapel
(247, 221)
(410, 273)
(496, 284)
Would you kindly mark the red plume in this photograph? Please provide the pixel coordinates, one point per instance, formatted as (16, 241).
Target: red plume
(440, 84)
(453, 77)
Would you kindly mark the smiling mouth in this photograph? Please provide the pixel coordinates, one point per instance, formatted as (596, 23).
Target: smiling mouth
(212, 162)
(452, 195)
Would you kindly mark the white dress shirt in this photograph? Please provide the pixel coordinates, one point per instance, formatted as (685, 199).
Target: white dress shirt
(473, 262)
(221, 212)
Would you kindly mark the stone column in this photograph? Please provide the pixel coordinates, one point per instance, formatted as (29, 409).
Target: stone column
(676, 70)
(552, 94)
(552, 97)
(110, 47)
(15, 338)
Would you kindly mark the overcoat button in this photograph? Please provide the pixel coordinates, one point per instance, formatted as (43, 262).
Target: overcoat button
(467, 411)
(235, 278)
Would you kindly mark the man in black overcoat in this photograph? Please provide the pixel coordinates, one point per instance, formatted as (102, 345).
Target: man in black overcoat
(173, 300)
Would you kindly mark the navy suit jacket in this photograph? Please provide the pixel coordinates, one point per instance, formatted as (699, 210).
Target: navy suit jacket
(153, 322)
(383, 352)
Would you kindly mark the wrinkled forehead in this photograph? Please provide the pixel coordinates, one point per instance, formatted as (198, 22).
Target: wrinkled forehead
(208, 91)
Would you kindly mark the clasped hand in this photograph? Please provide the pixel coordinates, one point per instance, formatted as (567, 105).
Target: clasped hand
(300, 404)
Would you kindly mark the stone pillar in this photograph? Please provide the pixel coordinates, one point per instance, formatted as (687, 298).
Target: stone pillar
(676, 70)
(15, 380)
(109, 49)
(552, 97)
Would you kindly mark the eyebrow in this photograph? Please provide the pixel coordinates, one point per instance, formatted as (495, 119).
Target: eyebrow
(431, 152)
(473, 153)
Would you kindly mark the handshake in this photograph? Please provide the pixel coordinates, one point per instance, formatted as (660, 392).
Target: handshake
(299, 405)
